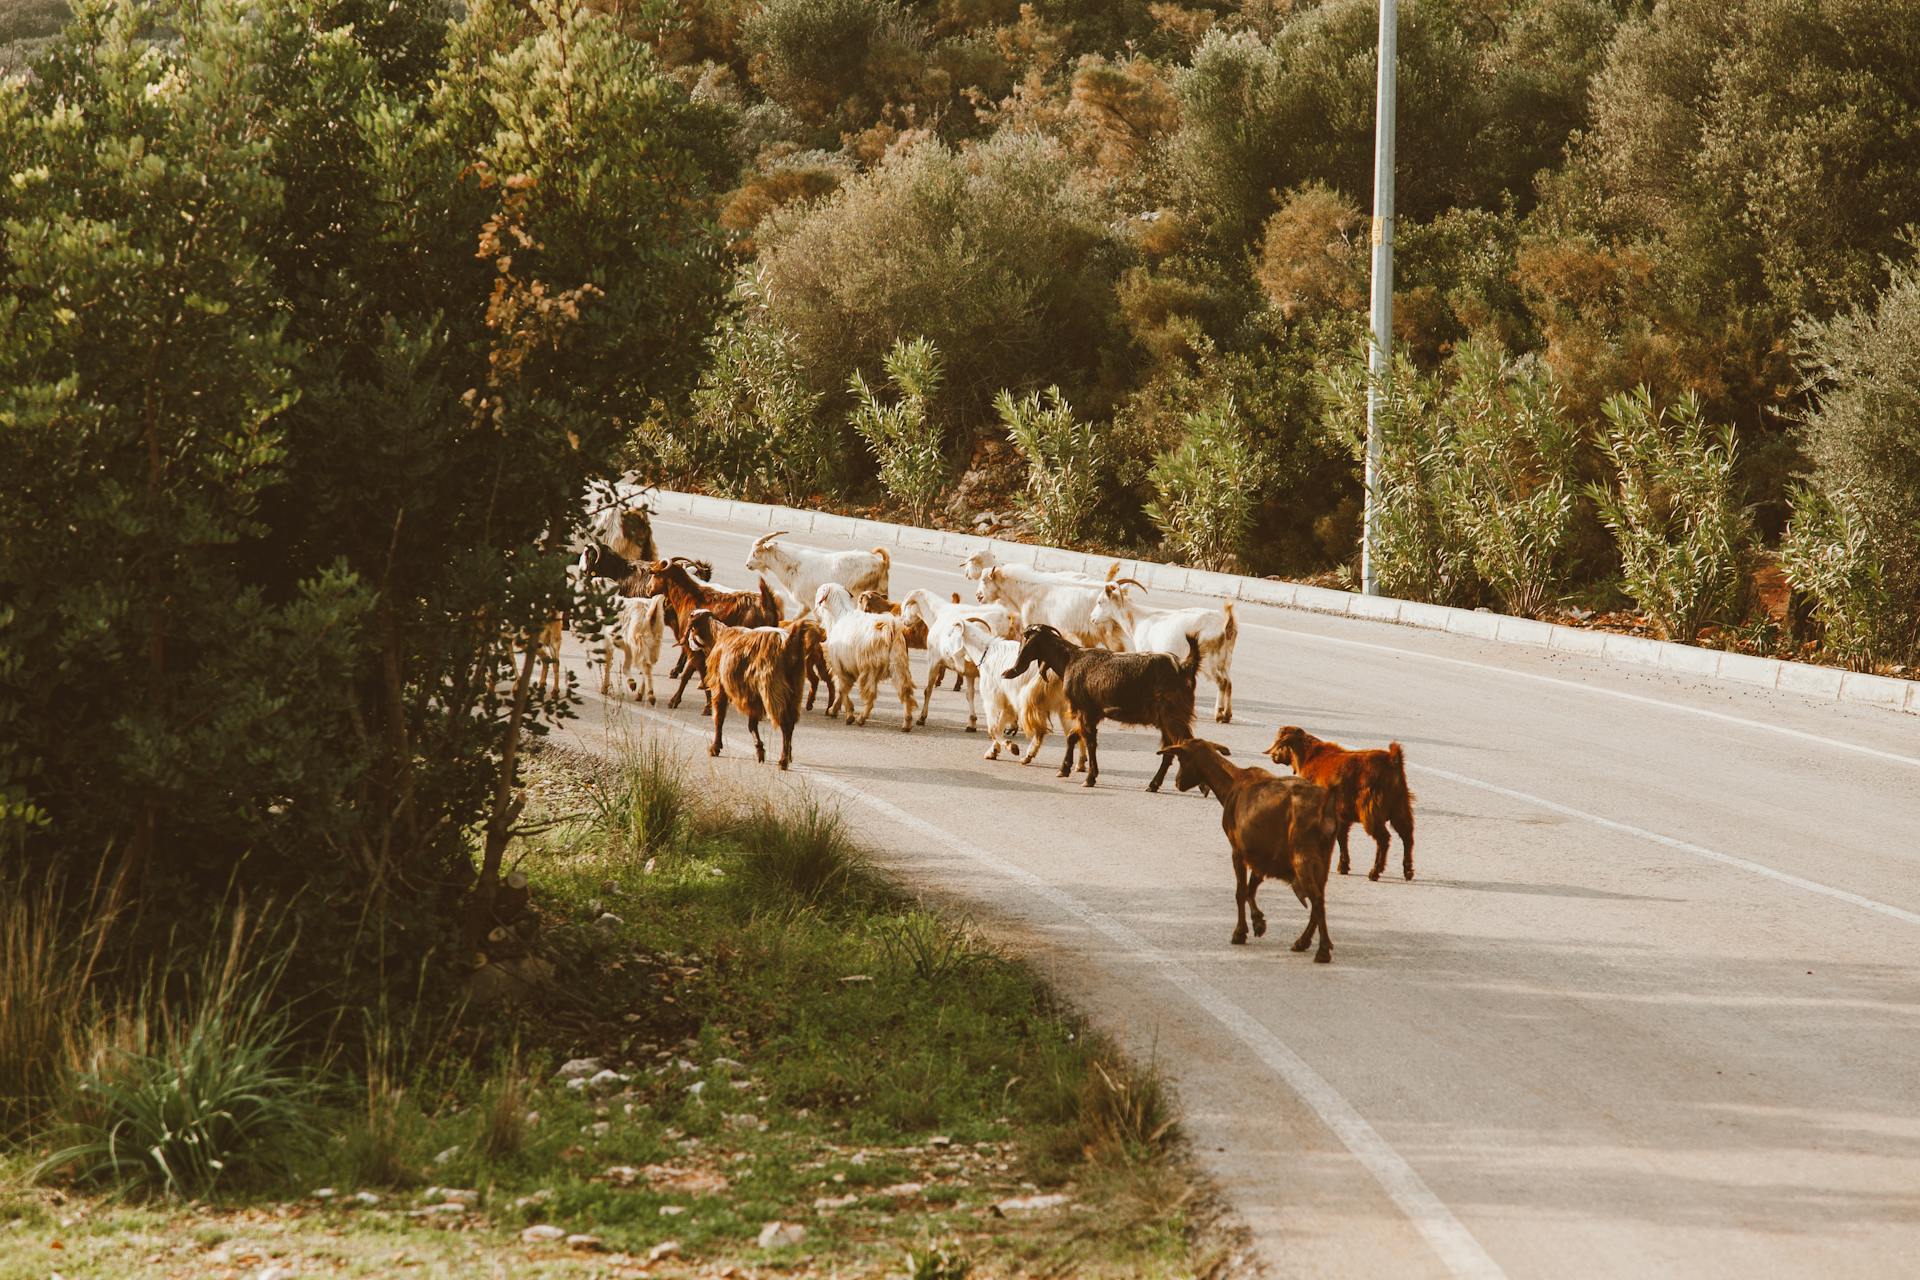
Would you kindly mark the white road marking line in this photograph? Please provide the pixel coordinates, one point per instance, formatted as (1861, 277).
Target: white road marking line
(1581, 686)
(1461, 1254)
(1684, 846)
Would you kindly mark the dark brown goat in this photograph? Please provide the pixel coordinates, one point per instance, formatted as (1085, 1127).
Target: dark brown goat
(1279, 828)
(817, 669)
(687, 595)
(1369, 787)
(1133, 688)
(633, 579)
(757, 671)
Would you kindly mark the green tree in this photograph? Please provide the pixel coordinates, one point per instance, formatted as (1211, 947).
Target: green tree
(1065, 461)
(1205, 489)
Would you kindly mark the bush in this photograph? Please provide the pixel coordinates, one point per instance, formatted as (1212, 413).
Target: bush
(1065, 463)
(1675, 514)
(801, 853)
(1420, 548)
(1002, 254)
(1862, 434)
(903, 435)
(838, 60)
(757, 430)
(1515, 453)
(183, 1097)
(1205, 490)
(1829, 556)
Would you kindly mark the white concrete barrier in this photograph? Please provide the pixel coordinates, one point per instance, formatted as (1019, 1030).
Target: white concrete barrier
(1828, 683)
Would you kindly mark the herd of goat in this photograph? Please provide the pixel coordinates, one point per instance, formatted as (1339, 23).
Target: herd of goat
(1034, 648)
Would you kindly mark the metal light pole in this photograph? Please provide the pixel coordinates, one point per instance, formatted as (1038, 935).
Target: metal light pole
(1379, 357)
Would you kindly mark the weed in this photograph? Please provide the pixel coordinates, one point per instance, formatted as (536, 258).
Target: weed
(1124, 1110)
(45, 974)
(181, 1099)
(942, 1260)
(801, 851)
(503, 1111)
(926, 945)
(648, 807)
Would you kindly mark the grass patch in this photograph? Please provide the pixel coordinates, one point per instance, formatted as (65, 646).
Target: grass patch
(787, 1040)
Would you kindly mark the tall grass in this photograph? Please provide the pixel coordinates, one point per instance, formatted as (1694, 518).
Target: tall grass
(801, 851)
(649, 806)
(46, 974)
(183, 1095)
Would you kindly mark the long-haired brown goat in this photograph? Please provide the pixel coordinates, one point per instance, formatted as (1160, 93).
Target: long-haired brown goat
(688, 596)
(757, 671)
(1280, 829)
(1369, 787)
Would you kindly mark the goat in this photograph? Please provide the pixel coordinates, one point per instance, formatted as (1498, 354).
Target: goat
(687, 595)
(1031, 701)
(817, 669)
(636, 634)
(1279, 829)
(975, 566)
(941, 623)
(877, 602)
(756, 670)
(1042, 599)
(802, 571)
(628, 531)
(546, 642)
(861, 649)
(1368, 787)
(1133, 688)
(1166, 630)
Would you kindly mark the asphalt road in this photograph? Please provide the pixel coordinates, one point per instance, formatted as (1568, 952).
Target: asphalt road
(1651, 1007)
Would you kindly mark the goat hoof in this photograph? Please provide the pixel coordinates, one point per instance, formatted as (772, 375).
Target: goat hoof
(713, 751)
(1259, 926)
(783, 766)
(1343, 868)
(970, 728)
(1323, 957)
(1239, 938)
(1300, 945)
(1374, 874)
(1088, 782)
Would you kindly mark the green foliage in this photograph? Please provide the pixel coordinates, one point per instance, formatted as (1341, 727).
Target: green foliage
(1066, 463)
(1205, 489)
(904, 437)
(756, 429)
(1002, 255)
(1420, 550)
(1515, 456)
(820, 58)
(927, 946)
(283, 455)
(1857, 540)
(801, 853)
(184, 1097)
(1829, 556)
(1675, 513)
(939, 1261)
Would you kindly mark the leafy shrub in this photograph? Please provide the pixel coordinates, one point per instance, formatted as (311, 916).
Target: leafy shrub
(756, 430)
(831, 59)
(903, 435)
(1065, 463)
(1858, 540)
(1420, 548)
(1829, 556)
(1003, 254)
(1205, 489)
(1516, 453)
(181, 1098)
(1675, 513)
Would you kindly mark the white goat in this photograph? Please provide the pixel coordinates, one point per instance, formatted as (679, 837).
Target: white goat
(1031, 701)
(1149, 630)
(975, 566)
(862, 649)
(945, 651)
(800, 572)
(1043, 599)
(636, 634)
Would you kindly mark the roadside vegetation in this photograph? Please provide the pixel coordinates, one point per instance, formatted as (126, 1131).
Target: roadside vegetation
(775, 1035)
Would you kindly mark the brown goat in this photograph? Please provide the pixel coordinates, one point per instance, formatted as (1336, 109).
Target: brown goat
(687, 596)
(1279, 828)
(1132, 688)
(757, 671)
(817, 669)
(1369, 787)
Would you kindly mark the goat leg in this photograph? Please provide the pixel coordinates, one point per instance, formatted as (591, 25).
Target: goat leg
(687, 669)
(934, 673)
(759, 747)
(1239, 938)
(1089, 747)
(1223, 704)
(719, 719)
(1341, 835)
(1066, 764)
(1253, 904)
(1379, 833)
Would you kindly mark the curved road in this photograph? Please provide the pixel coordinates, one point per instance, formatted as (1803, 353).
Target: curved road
(1652, 1006)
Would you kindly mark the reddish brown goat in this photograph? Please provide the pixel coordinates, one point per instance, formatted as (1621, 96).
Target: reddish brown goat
(687, 596)
(1369, 787)
(1279, 828)
(877, 602)
(755, 670)
(817, 670)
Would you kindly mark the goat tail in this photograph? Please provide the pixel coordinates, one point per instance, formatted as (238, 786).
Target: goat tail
(886, 567)
(1231, 631)
(769, 603)
(1192, 668)
(1397, 764)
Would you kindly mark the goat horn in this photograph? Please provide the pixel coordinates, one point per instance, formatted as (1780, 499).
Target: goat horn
(1129, 582)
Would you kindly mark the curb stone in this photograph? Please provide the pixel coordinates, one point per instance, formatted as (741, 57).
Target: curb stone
(1832, 684)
